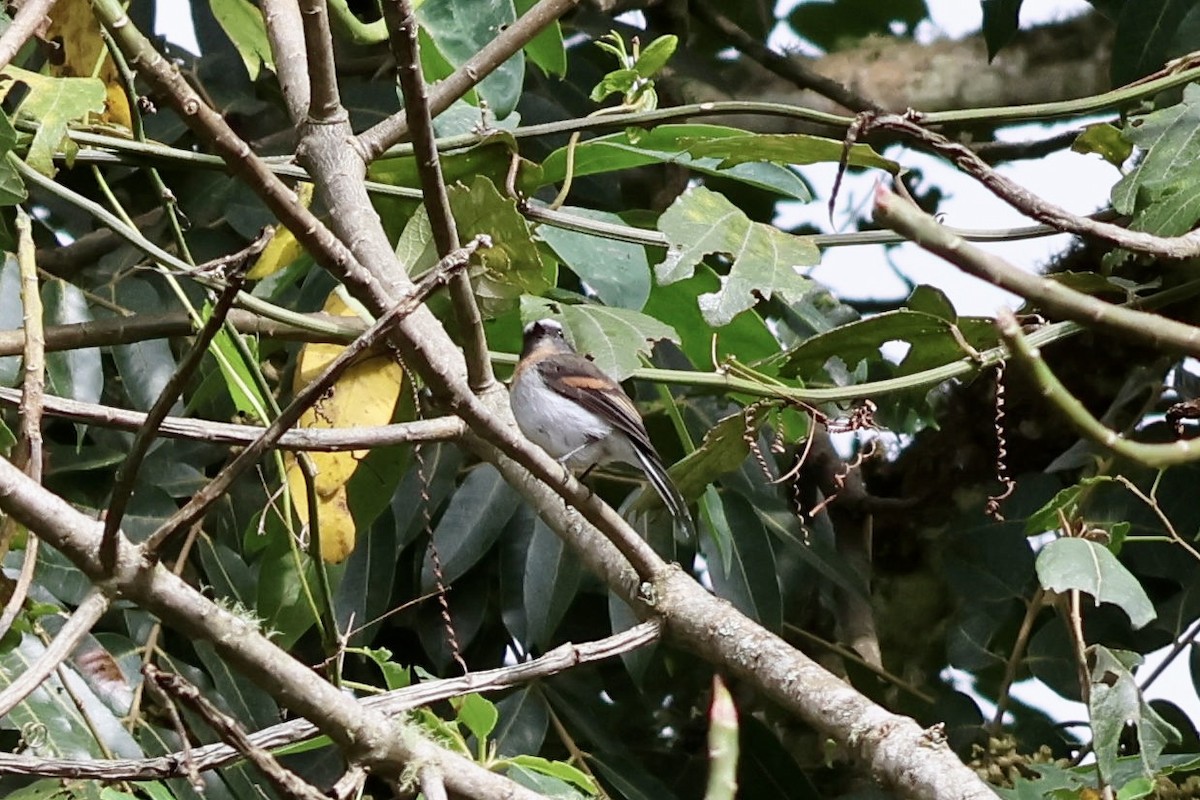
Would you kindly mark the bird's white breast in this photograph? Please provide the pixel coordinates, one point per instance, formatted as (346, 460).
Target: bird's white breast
(561, 426)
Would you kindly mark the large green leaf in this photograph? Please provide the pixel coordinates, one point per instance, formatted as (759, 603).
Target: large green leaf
(618, 272)
(243, 23)
(546, 49)
(477, 514)
(932, 341)
(1162, 191)
(750, 581)
(12, 187)
(54, 103)
(462, 29)
(552, 577)
(501, 273)
(524, 719)
(1146, 29)
(1001, 19)
(1072, 563)
(62, 730)
(765, 260)
(615, 338)
(77, 374)
(1115, 701)
(665, 144)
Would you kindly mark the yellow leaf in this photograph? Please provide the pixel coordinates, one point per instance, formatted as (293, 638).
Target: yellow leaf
(82, 54)
(283, 248)
(365, 395)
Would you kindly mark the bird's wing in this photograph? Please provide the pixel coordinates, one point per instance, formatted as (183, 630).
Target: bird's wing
(576, 378)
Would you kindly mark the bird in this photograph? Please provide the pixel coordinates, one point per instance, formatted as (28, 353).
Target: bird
(569, 407)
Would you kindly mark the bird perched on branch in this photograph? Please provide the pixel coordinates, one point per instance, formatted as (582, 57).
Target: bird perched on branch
(565, 404)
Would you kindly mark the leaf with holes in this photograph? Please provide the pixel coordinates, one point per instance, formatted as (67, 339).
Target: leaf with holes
(765, 259)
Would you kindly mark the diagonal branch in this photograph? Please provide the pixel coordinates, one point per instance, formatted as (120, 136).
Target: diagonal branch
(1025, 201)
(374, 141)
(24, 25)
(402, 23)
(1053, 297)
(364, 735)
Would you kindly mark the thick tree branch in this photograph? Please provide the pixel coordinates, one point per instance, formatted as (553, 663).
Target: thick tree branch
(285, 32)
(363, 734)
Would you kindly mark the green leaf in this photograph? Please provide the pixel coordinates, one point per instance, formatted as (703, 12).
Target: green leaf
(931, 338)
(1001, 19)
(618, 272)
(557, 769)
(1066, 501)
(613, 337)
(460, 35)
(12, 187)
(655, 55)
(619, 81)
(243, 24)
(12, 315)
(53, 103)
(1106, 141)
(476, 714)
(664, 144)
(723, 450)
(546, 49)
(765, 260)
(500, 274)
(1116, 701)
(784, 148)
(1162, 192)
(238, 697)
(840, 23)
(750, 582)
(1071, 563)
(471, 523)
(524, 718)
(77, 374)
(1145, 31)
(551, 579)
(51, 711)
(541, 783)
(394, 675)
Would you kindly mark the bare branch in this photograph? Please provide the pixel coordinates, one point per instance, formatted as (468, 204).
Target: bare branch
(1025, 201)
(326, 440)
(29, 17)
(1051, 296)
(285, 32)
(402, 23)
(284, 780)
(373, 142)
(363, 734)
(312, 392)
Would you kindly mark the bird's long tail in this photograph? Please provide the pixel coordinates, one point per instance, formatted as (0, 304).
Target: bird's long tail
(656, 471)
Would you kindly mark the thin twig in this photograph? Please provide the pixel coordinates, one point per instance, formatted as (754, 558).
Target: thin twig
(282, 779)
(402, 23)
(1014, 658)
(127, 473)
(311, 439)
(324, 100)
(1020, 198)
(790, 69)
